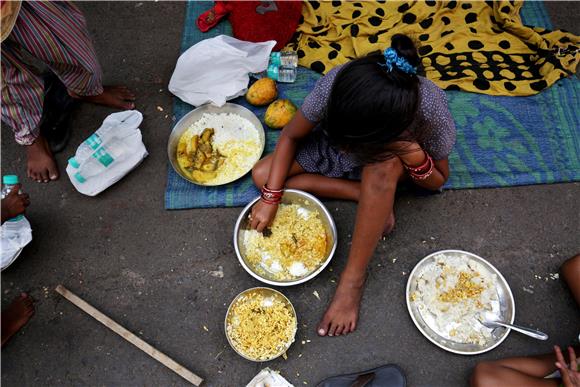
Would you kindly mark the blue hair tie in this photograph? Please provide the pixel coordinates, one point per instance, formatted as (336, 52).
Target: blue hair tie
(393, 59)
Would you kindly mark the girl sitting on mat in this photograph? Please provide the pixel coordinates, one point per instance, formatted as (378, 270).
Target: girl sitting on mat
(365, 127)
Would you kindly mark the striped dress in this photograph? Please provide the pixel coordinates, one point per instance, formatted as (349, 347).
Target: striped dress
(56, 34)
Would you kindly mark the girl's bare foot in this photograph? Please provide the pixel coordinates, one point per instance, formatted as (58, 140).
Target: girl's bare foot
(342, 313)
(389, 224)
(16, 316)
(41, 165)
(118, 97)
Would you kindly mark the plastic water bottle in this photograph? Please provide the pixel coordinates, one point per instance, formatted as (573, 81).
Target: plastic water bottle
(86, 149)
(112, 152)
(283, 74)
(284, 58)
(114, 127)
(282, 67)
(8, 182)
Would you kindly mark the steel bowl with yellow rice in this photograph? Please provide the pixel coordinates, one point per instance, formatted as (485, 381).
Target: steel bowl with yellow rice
(296, 248)
(261, 324)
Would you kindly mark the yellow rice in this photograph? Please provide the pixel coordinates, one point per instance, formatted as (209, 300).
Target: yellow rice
(297, 242)
(261, 326)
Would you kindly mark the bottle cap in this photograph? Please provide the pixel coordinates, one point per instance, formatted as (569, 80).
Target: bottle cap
(273, 72)
(79, 178)
(73, 162)
(275, 59)
(10, 179)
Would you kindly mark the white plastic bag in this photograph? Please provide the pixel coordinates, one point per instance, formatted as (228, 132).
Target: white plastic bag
(269, 378)
(14, 236)
(109, 154)
(216, 70)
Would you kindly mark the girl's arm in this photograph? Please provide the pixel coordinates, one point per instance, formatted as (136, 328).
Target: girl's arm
(412, 155)
(263, 213)
(285, 151)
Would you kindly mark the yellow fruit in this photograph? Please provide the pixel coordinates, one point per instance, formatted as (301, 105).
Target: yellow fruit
(279, 113)
(262, 92)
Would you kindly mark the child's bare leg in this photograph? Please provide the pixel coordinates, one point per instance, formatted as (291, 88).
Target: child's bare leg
(494, 374)
(16, 316)
(41, 165)
(318, 185)
(378, 186)
(314, 183)
(516, 371)
(324, 186)
(571, 273)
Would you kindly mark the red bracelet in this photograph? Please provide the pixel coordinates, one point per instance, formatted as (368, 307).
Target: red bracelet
(274, 191)
(271, 196)
(270, 201)
(422, 172)
(428, 161)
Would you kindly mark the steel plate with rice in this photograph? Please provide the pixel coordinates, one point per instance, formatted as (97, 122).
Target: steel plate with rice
(216, 145)
(261, 324)
(447, 294)
(295, 248)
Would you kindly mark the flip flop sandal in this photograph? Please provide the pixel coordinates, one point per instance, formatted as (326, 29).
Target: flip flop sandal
(212, 17)
(388, 375)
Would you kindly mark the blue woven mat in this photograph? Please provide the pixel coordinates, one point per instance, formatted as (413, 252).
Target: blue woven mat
(501, 141)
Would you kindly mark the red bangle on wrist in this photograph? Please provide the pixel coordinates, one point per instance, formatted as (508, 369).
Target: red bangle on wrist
(423, 171)
(271, 196)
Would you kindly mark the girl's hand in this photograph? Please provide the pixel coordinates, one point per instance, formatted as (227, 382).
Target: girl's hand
(570, 375)
(262, 215)
(14, 203)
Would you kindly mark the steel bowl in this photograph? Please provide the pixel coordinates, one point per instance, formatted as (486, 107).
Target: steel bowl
(291, 196)
(505, 306)
(190, 118)
(264, 291)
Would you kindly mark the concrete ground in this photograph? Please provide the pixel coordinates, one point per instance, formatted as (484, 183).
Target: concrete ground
(147, 268)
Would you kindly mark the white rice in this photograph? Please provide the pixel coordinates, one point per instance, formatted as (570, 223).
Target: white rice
(234, 137)
(457, 320)
(227, 126)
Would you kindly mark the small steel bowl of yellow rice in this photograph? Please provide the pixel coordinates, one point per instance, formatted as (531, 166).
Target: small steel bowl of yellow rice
(297, 246)
(261, 324)
(214, 145)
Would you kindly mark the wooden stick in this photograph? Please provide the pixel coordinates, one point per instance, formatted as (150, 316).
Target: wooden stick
(130, 337)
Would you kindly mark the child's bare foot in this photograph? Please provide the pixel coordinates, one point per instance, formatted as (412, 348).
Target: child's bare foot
(118, 97)
(41, 165)
(16, 316)
(342, 313)
(389, 224)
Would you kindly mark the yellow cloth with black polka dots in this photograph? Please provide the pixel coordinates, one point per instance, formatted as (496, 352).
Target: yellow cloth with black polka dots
(475, 46)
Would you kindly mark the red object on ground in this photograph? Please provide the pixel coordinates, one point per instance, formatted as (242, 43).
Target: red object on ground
(212, 17)
(257, 21)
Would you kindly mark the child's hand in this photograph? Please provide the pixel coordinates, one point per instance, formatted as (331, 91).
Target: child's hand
(262, 215)
(14, 203)
(570, 375)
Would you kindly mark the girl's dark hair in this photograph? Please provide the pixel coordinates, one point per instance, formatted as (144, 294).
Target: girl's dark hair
(370, 107)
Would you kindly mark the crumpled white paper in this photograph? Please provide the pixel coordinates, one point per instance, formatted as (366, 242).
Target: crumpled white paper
(14, 235)
(216, 70)
(269, 378)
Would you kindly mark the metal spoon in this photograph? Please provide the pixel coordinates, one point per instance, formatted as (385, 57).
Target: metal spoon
(491, 320)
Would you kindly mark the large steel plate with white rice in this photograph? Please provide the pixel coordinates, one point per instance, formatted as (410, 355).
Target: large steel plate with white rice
(265, 271)
(441, 329)
(260, 324)
(249, 127)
